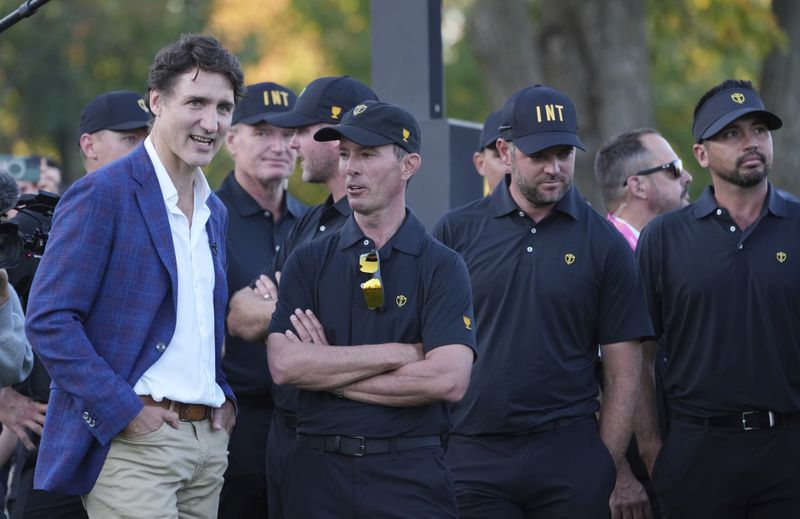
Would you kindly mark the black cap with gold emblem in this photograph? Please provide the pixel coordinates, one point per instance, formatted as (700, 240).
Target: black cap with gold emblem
(263, 102)
(726, 106)
(325, 100)
(375, 123)
(118, 110)
(540, 117)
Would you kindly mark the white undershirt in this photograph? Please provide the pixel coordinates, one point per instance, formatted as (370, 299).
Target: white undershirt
(186, 371)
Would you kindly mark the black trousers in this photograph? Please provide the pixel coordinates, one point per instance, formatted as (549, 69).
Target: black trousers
(561, 473)
(244, 493)
(281, 438)
(708, 473)
(412, 483)
(26, 503)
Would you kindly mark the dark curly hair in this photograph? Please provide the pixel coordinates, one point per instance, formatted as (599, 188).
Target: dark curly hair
(193, 51)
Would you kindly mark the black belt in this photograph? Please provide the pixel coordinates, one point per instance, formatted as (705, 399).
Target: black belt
(287, 418)
(360, 446)
(745, 421)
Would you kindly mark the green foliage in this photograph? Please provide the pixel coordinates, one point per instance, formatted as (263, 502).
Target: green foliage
(694, 45)
(54, 62)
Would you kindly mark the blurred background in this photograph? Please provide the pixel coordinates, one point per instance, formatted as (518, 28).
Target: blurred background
(625, 63)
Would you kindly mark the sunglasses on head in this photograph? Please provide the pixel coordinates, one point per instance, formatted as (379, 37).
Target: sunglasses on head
(370, 263)
(675, 167)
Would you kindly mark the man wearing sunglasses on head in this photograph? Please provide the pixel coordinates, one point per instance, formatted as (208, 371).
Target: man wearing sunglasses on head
(723, 284)
(641, 177)
(374, 325)
(551, 280)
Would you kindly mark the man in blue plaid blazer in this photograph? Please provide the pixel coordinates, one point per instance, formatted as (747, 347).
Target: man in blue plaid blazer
(127, 308)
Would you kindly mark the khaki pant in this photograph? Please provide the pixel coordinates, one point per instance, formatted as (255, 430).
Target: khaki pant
(167, 473)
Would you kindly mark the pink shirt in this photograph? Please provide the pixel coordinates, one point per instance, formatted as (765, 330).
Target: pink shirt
(625, 229)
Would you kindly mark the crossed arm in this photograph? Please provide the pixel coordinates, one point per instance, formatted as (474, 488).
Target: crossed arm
(395, 374)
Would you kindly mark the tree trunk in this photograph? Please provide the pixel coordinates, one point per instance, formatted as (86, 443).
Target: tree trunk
(501, 37)
(781, 70)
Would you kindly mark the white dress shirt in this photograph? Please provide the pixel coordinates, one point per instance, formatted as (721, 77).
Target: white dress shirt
(186, 371)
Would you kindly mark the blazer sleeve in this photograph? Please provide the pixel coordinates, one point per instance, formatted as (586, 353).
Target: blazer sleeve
(62, 299)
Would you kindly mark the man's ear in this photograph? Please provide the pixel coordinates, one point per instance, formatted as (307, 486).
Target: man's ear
(230, 140)
(504, 149)
(86, 142)
(701, 154)
(636, 187)
(477, 161)
(410, 165)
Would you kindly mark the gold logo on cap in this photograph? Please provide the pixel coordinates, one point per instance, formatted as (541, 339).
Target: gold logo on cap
(359, 109)
(781, 256)
(143, 106)
(569, 258)
(467, 322)
(336, 111)
(737, 98)
(401, 300)
(406, 135)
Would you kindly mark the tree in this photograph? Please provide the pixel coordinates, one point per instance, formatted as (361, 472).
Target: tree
(53, 63)
(779, 78)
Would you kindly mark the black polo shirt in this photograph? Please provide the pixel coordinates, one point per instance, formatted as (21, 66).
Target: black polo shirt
(321, 220)
(252, 236)
(545, 294)
(726, 304)
(427, 299)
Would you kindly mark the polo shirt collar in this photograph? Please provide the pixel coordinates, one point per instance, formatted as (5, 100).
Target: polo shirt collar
(408, 238)
(247, 206)
(707, 204)
(342, 206)
(502, 203)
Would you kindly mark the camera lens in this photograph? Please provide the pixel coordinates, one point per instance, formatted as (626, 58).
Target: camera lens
(10, 245)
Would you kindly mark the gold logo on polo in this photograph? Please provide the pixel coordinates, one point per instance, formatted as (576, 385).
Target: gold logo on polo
(358, 110)
(569, 258)
(406, 135)
(143, 106)
(781, 256)
(737, 98)
(468, 322)
(401, 300)
(336, 111)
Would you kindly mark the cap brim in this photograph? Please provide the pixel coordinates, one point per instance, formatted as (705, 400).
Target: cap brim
(537, 142)
(262, 118)
(356, 134)
(772, 121)
(292, 119)
(129, 125)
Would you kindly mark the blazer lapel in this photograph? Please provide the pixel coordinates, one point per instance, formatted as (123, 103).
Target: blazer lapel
(151, 203)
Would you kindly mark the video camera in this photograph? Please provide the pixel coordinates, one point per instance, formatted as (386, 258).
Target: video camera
(28, 240)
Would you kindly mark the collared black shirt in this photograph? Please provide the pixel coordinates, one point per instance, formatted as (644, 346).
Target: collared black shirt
(726, 304)
(545, 294)
(427, 299)
(252, 236)
(321, 220)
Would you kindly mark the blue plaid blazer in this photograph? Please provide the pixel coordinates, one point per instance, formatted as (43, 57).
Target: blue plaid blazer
(103, 299)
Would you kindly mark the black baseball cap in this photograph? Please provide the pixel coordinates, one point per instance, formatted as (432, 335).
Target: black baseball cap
(325, 100)
(118, 110)
(375, 123)
(726, 106)
(491, 130)
(263, 102)
(539, 117)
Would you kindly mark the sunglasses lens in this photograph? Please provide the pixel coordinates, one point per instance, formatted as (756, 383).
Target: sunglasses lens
(368, 263)
(677, 168)
(373, 293)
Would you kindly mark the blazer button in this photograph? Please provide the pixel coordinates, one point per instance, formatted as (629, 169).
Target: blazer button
(86, 416)
(92, 423)
(160, 347)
